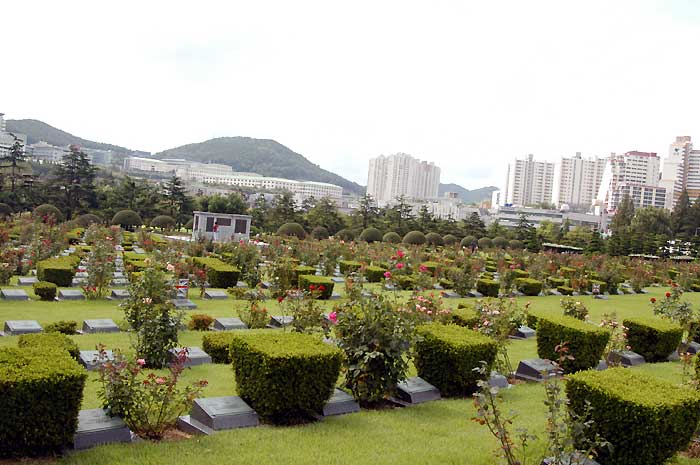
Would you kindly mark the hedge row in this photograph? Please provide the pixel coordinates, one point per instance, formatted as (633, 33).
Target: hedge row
(322, 284)
(585, 341)
(219, 274)
(653, 338)
(217, 345)
(49, 341)
(59, 270)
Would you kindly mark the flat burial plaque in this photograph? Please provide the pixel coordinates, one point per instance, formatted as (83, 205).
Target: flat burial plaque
(185, 304)
(70, 294)
(279, 321)
(693, 348)
(525, 332)
(100, 326)
(88, 358)
(195, 356)
(628, 358)
(14, 294)
(535, 369)
(17, 327)
(27, 280)
(227, 324)
(219, 413)
(416, 390)
(120, 294)
(215, 294)
(450, 295)
(340, 403)
(95, 427)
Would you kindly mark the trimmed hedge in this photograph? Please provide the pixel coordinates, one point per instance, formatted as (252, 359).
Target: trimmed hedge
(433, 238)
(653, 338)
(374, 274)
(300, 270)
(585, 341)
(391, 237)
(529, 286)
(217, 344)
(62, 326)
(219, 274)
(371, 235)
(646, 420)
(414, 238)
(488, 287)
(320, 233)
(45, 290)
(307, 280)
(49, 342)
(465, 315)
(59, 270)
(447, 355)
(40, 396)
(556, 282)
(292, 229)
(345, 235)
(565, 290)
(449, 239)
(284, 375)
(348, 266)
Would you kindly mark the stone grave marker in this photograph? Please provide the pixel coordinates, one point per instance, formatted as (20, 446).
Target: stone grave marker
(628, 358)
(338, 279)
(70, 294)
(279, 321)
(77, 282)
(525, 332)
(601, 297)
(81, 274)
(14, 294)
(118, 274)
(389, 287)
(535, 369)
(221, 413)
(573, 459)
(17, 327)
(100, 326)
(476, 294)
(184, 304)
(438, 287)
(340, 403)
(266, 284)
(119, 294)
(195, 356)
(227, 324)
(95, 427)
(335, 296)
(498, 380)
(241, 284)
(554, 292)
(450, 295)
(27, 280)
(693, 347)
(216, 294)
(416, 390)
(88, 358)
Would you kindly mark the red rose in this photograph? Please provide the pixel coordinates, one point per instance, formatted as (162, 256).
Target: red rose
(668, 294)
(321, 288)
(653, 300)
(312, 287)
(280, 299)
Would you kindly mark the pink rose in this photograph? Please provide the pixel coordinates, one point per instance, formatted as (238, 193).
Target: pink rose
(399, 266)
(141, 362)
(400, 253)
(333, 316)
(160, 380)
(423, 268)
(387, 274)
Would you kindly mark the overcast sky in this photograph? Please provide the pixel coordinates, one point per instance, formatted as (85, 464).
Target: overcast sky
(468, 85)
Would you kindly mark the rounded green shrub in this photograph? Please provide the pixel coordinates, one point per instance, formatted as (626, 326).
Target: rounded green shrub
(488, 287)
(371, 235)
(200, 322)
(391, 237)
(63, 326)
(47, 210)
(414, 238)
(374, 274)
(127, 219)
(449, 239)
(163, 222)
(500, 242)
(529, 286)
(87, 219)
(516, 244)
(45, 290)
(345, 234)
(485, 243)
(292, 229)
(320, 233)
(467, 241)
(433, 238)
(466, 315)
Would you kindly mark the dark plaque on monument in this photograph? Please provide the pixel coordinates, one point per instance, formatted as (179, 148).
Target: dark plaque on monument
(525, 332)
(279, 321)
(227, 324)
(27, 280)
(14, 294)
(184, 304)
(416, 390)
(89, 358)
(195, 356)
(627, 358)
(535, 369)
(120, 294)
(340, 403)
(450, 295)
(476, 294)
(17, 327)
(100, 326)
(215, 294)
(95, 427)
(70, 294)
(220, 413)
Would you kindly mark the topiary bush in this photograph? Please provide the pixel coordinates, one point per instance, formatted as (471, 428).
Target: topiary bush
(374, 274)
(87, 219)
(59, 270)
(516, 244)
(219, 274)
(467, 241)
(556, 282)
(414, 238)
(446, 356)
(322, 285)
(449, 239)
(488, 287)
(292, 229)
(300, 270)
(163, 222)
(283, 375)
(320, 233)
(586, 342)
(348, 266)
(217, 345)
(466, 315)
(485, 243)
(40, 396)
(345, 234)
(500, 242)
(433, 238)
(63, 327)
(45, 211)
(529, 286)
(45, 290)
(653, 338)
(200, 322)
(127, 219)
(565, 290)
(49, 342)
(371, 235)
(391, 237)
(646, 420)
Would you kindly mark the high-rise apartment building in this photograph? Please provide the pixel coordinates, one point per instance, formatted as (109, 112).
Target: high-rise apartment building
(400, 174)
(529, 182)
(681, 171)
(577, 180)
(635, 173)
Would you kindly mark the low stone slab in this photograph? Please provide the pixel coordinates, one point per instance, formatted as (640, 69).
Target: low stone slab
(77, 282)
(525, 332)
(27, 280)
(104, 325)
(95, 427)
(340, 403)
(574, 458)
(535, 369)
(554, 292)
(81, 274)
(279, 321)
(88, 358)
(185, 304)
(14, 294)
(476, 294)
(693, 348)
(120, 294)
(416, 390)
(118, 274)
(195, 356)
(266, 284)
(215, 294)
(335, 296)
(628, 358)
(17, 327)
(70, 294)
(120, 282)
(450, 295)
(241, 284)
(338, 279)
(221, 413)
(498, 380)
(227, 324)
(601, 297)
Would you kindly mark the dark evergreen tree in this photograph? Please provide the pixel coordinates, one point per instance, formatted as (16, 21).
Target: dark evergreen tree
(75, 178)
(12, 159)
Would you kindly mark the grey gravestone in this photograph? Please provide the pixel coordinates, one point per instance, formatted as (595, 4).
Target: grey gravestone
(366, 294)
(335, 296)
(118, 274)
(120, 294)
(266, 284)
(195, 356)
(241, 284)
(554, 292)
(451, 295)
(675, 356)
(535, 369)
(220, 413)
(217, 294)
(498, 380)
(88, 358)
(525, 332)
(602, 365)
(476, 294)
(628, 358)
(389, 287)
(27, 280)
(120, 282)
(338, 280)
(95, 427)
(416, 390)
(693, 348)
(81, 274)
(70, 294)
(601, 297)
(278, 321)
(340, 403)
(185, 304)
(100, 326)
(226, 324)
(14, 294)
(438, 287)
(17, 327)
(76, 282)
(574, 458)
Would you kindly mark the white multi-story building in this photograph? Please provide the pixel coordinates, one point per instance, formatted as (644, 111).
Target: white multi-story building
(400, 174)
(681, 171)
(44, 152)
(635, 173)
(528, 182)
(7, 140)
(577, 180)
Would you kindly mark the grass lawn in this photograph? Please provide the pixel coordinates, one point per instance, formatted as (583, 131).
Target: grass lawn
(435, 433)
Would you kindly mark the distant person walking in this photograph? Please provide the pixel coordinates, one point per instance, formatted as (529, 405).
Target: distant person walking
(216, 231)
(473, 246)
